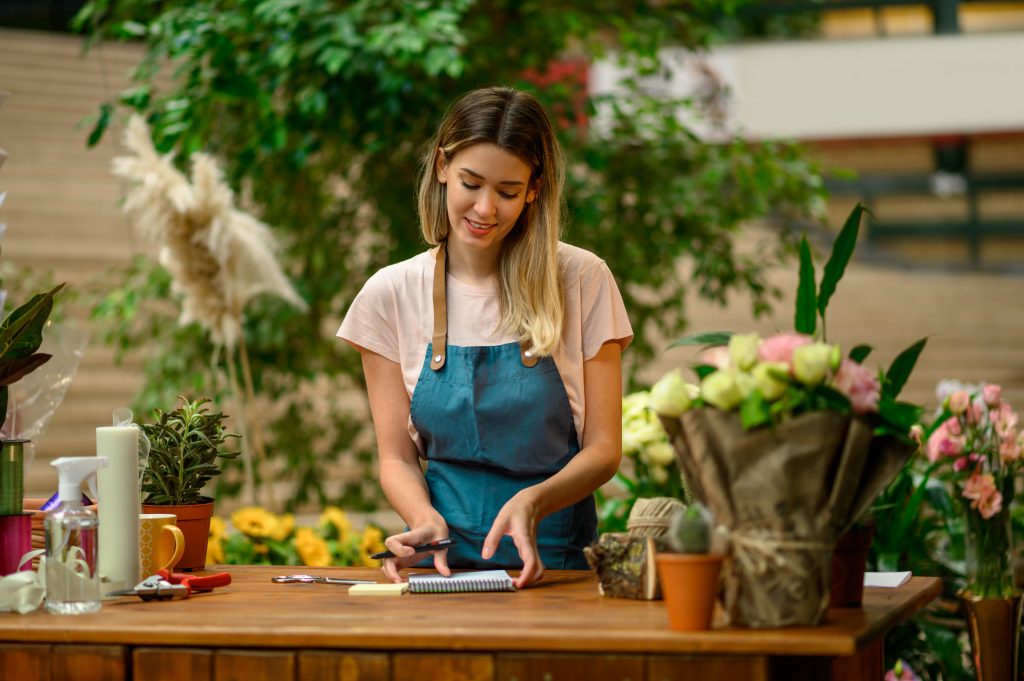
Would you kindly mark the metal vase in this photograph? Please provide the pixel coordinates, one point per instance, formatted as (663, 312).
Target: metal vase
(12, 476)
(994, 627)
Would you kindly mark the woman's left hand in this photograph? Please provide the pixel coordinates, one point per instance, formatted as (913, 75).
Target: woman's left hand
(518, 519)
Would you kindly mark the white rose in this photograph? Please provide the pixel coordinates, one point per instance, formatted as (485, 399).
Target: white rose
(743, 350)
(721, 390)
(661, 454)
(770, 379)
(811, 363)
(671, 395)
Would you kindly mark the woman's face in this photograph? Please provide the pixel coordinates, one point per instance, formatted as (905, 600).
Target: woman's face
(487, 190)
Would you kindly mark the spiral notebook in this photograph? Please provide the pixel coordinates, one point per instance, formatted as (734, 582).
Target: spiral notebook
(460, 582)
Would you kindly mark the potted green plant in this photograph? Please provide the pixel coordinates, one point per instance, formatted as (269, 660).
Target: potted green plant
(688, 571)
(185, 445)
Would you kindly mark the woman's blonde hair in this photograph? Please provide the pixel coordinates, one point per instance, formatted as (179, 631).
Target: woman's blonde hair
(530, 292)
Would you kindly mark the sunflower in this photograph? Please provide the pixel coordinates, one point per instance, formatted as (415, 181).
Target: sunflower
(285, 525)
(254, 521)
(312, 548)
(215, 549)
(371, 542)
(218, 528)
(336, 518)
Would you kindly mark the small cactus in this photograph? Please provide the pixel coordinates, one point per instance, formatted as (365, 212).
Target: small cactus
(690, 531)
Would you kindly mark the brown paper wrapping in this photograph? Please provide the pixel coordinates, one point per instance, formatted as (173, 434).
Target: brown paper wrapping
(783, 494)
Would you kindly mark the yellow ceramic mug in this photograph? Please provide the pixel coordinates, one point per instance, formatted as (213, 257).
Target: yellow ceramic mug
(161, 543)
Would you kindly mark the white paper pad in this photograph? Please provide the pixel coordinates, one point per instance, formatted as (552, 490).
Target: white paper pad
(886, 579)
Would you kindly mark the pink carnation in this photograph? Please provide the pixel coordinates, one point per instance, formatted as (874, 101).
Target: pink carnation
(1009, 448)
(1003, 419)
(859, 384)
(780, 348)
(980, 488)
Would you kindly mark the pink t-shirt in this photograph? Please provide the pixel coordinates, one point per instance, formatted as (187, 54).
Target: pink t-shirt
(393, 316)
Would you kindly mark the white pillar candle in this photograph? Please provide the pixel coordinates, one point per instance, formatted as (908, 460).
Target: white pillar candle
(119, 506)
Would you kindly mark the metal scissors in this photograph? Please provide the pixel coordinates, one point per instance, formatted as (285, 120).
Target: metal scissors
(316, 579)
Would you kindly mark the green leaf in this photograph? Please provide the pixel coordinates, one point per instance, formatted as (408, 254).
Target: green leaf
(21, 332)
(806, 312)
(704, 370)
(842, 251)
(12, 370)
(902, 415)
(901, 369)
(860, 353)
(754, 411)
(102, 122)
(710, 338)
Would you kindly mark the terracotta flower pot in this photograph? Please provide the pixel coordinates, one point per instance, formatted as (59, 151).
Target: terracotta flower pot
(849, 561)
(689, 584)
(194, 523)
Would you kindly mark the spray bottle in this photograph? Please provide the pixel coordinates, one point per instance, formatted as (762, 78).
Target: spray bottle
(72, 575)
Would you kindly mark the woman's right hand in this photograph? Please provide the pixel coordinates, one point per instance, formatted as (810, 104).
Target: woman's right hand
(402, 546)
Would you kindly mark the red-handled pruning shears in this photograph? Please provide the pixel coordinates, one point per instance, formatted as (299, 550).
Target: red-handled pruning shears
(164, 585)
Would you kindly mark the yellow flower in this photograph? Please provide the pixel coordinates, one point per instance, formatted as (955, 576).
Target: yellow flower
(285, 525)
(214, 549)
(311, 547)
(218, 528)
(371, 542)
(254, 521)
(333, 515)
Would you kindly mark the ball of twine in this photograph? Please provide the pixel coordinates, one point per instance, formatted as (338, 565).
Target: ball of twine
(651, 517)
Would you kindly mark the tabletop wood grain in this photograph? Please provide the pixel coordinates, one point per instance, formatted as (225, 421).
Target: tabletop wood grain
(563, 613)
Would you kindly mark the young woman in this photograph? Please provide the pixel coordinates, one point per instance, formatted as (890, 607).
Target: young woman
(494, 356)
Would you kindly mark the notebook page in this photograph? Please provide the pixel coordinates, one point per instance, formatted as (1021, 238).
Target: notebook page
(481, 580)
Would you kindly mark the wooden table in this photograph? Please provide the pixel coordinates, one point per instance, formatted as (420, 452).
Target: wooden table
(561, 629)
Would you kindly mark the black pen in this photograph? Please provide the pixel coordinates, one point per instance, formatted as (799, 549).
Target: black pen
(439, 544)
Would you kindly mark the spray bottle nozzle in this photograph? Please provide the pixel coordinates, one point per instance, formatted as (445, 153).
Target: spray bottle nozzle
(72, 471)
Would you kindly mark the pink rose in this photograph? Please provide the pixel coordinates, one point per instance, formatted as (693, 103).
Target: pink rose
(717, 357)
(859, 384)
(942, 443)
(958, 401)
(961, 464)
(953, 427)
(1009, 448)
(992, 394)
(780, 348)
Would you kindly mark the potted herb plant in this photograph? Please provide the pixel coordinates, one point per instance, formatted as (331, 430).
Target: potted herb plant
(185, 445)
(688, 571)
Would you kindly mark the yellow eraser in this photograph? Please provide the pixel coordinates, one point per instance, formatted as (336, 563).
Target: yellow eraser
(378, 589)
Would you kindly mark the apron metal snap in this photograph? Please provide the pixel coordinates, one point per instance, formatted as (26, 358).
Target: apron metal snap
(529, 354)
(437, 359)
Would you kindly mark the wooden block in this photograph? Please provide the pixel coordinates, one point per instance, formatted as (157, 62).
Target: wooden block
(253, 665)
(172, 664)
(25, 662)
(683, 668)
(416, 667)
(89, 663)
(315, 665)
(570, 668)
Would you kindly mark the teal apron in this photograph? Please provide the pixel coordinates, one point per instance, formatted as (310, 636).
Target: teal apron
(493, 421)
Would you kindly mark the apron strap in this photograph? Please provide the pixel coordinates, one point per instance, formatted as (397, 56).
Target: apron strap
(439, 342)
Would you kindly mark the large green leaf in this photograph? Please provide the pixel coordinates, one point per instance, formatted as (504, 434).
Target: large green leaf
(900, 370)
(712, 338)
(21, 332)
(806, 310)
(842, 251)
(12, 370)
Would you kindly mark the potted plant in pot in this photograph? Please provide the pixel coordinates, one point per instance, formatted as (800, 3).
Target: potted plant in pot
(185, 445)
(688, 572)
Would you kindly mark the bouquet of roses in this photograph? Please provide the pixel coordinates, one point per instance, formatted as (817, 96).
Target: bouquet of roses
(977, 443)
(788, 442)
